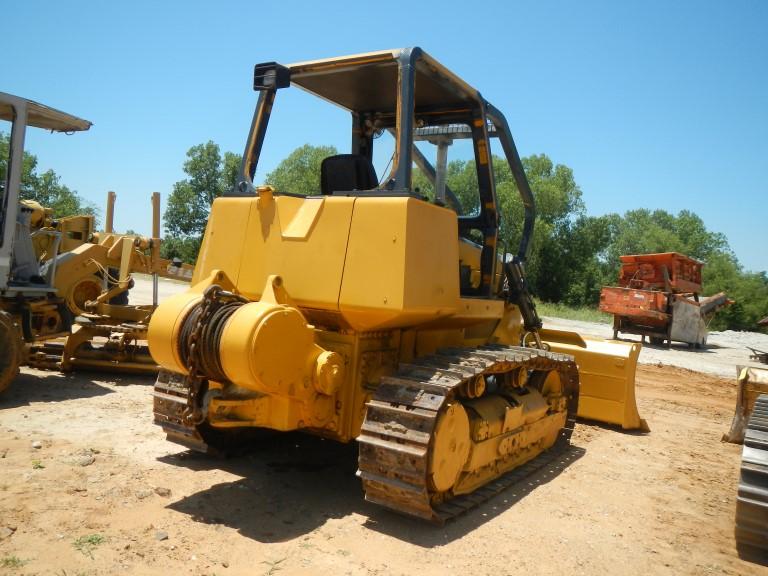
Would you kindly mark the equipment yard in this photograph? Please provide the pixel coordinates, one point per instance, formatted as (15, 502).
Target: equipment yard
(368, 354)
(90, 486)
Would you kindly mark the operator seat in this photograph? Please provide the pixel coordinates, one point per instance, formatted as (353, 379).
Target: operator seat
(347, 172)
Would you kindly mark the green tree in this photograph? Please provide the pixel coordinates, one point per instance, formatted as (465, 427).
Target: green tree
(45, 188)
(748, 290)
(572, 255)
(299, 173)
(644, 231)
(583, 245)
(461, 178)
(209, 175)
(561, 249)
(28, 165)
(554, 261)
(51, 193)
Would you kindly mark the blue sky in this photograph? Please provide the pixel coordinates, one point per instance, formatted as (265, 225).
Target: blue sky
(653, 104)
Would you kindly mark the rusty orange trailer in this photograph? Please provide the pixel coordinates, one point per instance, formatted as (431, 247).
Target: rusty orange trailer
(658, 297)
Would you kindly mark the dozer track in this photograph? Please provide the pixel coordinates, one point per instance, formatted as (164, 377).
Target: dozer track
(752, 500)
(172, 403)
(171, 399)
(398, 434)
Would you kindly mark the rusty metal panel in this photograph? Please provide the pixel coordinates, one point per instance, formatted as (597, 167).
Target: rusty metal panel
(644, 306)
(668, 271)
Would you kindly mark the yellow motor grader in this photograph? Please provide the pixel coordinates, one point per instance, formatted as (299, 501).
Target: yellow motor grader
(30, 308)
(369, 312)
(94, 278)
(63, 287)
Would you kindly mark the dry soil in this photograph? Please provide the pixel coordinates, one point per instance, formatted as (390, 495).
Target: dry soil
(89, 486)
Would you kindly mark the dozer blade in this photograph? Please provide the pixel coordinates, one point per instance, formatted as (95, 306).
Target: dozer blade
(751, 381)
(607, 374)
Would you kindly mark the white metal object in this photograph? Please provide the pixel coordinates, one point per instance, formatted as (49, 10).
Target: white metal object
(21, 113)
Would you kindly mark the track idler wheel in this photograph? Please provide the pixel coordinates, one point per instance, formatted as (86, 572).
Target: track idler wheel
(450, 448)
(11, 350)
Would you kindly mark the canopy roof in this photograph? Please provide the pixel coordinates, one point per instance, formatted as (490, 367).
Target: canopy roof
(369, 82)
(41, 116)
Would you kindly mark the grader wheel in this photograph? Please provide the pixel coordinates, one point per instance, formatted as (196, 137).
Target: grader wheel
(11, 350)
(83, 291)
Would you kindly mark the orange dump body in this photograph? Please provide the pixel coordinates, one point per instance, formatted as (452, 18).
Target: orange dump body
(644, 307)
(668, 271)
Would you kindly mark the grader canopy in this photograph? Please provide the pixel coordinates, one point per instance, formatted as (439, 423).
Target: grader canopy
(21, 113)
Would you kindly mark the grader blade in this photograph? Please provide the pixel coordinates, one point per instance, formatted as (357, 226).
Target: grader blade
(751, 381)
(607, 373)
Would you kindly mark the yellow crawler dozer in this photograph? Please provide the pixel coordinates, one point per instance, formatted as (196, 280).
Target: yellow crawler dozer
(368, 312)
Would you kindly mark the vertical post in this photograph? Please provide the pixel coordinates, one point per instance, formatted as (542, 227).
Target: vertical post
(9, 201)
(253, 146)
(406, 86)
(51, 276)
(155, 290)
(155, 246)
(109, 224)
(523, 187)
(126, 253)
(362, 142)
(155, 215)
(442, 167)
(487, 222)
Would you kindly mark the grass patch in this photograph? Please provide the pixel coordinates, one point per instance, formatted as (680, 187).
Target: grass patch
(37, 465)
(583, 313)
(12, 562)
(87, 544)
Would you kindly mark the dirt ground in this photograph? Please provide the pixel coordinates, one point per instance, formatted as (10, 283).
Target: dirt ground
(89, 486)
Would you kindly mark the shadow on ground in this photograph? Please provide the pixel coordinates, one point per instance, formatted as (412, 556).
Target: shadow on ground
(293, 484)
(752, 554)
(39, 386)
(613, 428)
(290, 485)
(678, 346)
(682, 347)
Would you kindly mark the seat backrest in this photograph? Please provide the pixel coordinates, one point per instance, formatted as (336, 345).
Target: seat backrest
(347, 172)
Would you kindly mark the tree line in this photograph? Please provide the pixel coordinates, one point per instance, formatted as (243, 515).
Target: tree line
(573, 255)
(44, 187)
